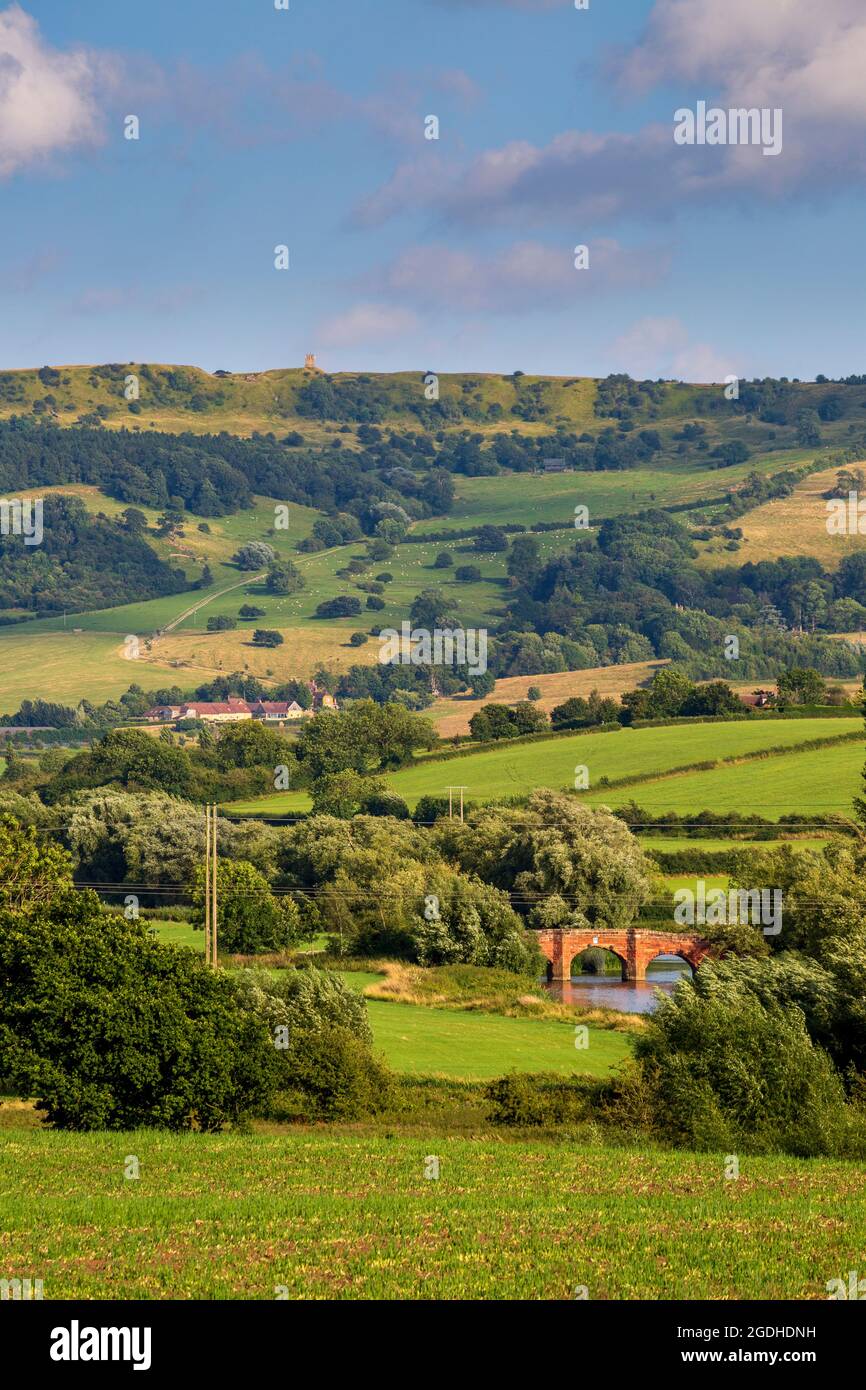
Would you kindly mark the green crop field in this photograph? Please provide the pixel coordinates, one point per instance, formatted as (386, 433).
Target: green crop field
(308, 1214)
(823, 780)
(506, 770)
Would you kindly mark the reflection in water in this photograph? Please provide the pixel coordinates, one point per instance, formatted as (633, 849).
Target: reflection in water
(607, 992)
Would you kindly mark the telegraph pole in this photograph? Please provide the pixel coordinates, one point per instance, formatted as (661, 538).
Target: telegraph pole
(451, 791)
(207, 883)
(213, 938)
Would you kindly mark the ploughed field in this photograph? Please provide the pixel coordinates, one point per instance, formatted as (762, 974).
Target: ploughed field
(313, 1214)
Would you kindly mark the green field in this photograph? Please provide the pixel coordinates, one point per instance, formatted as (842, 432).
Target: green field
(507, 770)
(824, 781)
(672, 844)
(525, 498)
(352, 1216)
(420, 1041)
(177, 933)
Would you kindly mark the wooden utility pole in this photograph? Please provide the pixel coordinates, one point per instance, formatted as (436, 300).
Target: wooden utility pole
(207, 884)
(213, 935)
(451, 791)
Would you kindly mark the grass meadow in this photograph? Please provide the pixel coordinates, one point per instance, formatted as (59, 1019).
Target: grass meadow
(823, 781)
(525, 498)
(778, 784)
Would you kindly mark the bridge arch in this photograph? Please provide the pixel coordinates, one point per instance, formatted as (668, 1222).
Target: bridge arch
(634, 947)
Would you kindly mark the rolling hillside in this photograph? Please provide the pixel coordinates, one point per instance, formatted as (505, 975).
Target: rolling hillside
(824, 780)
(80, 654)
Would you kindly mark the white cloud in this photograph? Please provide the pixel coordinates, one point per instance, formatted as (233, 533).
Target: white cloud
(366, 323)
(777, 51)
(48, 98)
(662, 347)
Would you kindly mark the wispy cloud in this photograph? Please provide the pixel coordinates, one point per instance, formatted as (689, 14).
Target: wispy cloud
(806, 60)
(366, 323)
(663, 347)
(524, 276)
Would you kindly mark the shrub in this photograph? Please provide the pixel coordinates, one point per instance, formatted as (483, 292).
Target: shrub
(386, 803)
(335, 1076)
(254, 555)
(729, 1072)
(111, 1030)
(515, 1100)
(467, 574)
(304, 1000)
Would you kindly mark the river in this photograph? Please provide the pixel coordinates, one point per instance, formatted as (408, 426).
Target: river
(607, 992)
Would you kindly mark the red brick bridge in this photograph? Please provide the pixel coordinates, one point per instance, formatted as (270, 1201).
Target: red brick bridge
(635, 947)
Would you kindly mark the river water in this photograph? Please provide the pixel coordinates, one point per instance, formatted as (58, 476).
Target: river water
(607, 992)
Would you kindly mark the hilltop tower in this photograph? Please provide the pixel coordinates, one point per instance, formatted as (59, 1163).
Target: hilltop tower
(310, 363)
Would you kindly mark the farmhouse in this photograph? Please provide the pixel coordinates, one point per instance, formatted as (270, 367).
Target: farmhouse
(276, 711)
(223, 712)
(233, 710)
(163, 714)
(322, 699)
(756, 699)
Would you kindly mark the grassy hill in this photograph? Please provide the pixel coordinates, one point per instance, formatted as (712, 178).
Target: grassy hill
(789, 525)
(90, 663)
(771, 786)
(181, 398)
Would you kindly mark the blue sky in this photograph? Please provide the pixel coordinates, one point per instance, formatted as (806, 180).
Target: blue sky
(306, 128)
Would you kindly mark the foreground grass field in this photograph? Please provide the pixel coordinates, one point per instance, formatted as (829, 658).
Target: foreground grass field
(313, 1214)
(508, 769)
(420, 1041)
